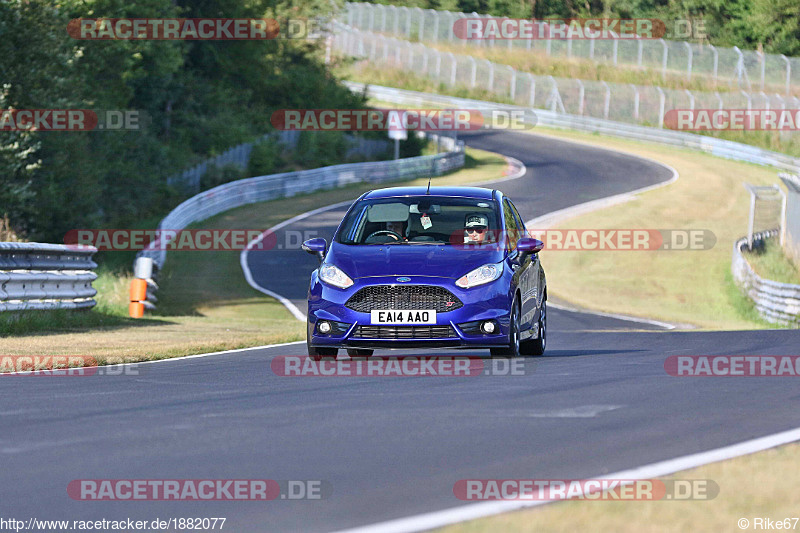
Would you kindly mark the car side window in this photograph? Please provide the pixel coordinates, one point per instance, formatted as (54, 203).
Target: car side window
(520, 222)
(511, 228)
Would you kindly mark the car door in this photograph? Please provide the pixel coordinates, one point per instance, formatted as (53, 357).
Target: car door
(531, 288)
(522, 270)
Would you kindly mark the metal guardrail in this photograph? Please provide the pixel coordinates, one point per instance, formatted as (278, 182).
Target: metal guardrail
(777, 302)
(285, 185)
(46, 276)
(239, 156)
(711, 145)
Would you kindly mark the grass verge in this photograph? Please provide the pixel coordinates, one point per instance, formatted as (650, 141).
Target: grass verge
(205, 304)
(752, 486)
(772, 263)
(692, 287)
(685, 287)
(393, 77)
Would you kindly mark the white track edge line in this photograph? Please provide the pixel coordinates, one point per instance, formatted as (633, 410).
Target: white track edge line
(178, 358)
(248, 275)
(436, 519)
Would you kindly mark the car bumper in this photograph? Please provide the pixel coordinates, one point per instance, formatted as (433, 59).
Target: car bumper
(453, 329)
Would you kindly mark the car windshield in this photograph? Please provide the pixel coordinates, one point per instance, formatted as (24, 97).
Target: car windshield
(419, 220)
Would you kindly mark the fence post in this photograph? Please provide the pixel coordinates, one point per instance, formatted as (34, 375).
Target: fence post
(716, 60)
(532, 94)
(421, 31)
(749, 100)
(490, 85)
(664, 57)
(453, 67)
(513, 83)
(640, 46)
(474, 74)
(691, 99)
(662, 101)
(689, 56)
(788, 74)
(435, 25)
(635, 101)
(607, 101)
(581, 93)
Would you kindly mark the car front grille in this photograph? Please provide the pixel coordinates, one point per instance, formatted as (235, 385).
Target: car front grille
(405, 297)
(404, 332)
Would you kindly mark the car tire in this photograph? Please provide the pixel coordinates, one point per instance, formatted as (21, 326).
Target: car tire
(537, 346)
(513, 349)
(359, 352)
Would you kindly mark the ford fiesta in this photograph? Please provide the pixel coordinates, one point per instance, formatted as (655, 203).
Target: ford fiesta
(415, 268)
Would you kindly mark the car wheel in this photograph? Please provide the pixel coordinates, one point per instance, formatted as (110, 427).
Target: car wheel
(538, 345)
(358, 352)
(513, 335)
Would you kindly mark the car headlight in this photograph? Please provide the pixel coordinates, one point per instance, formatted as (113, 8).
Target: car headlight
(480, 275)
(333, 276)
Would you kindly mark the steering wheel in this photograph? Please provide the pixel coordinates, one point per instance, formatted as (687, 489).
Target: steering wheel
(396, 235)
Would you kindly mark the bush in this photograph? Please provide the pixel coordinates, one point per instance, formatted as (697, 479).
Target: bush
(266, 158)
(217, 176)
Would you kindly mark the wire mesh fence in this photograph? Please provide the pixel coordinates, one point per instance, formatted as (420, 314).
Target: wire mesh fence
(742, 69)
(641, 104)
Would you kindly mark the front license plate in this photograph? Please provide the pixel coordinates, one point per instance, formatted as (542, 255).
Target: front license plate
(403, 317)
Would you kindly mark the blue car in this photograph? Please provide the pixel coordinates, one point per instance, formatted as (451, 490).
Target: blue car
(438, 267)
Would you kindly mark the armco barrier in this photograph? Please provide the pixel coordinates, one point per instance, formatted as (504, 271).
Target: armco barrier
(776, 302)
(264, 188)
(46, 276)
(711, 145)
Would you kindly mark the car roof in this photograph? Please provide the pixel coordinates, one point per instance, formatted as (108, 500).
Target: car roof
(467, 192)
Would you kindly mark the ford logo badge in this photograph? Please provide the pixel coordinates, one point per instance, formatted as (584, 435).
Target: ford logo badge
(403, 280)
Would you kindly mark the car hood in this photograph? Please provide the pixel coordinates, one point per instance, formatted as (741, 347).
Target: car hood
(409, 260)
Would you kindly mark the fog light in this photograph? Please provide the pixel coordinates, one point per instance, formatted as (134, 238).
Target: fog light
(324, 327)
(488, 327)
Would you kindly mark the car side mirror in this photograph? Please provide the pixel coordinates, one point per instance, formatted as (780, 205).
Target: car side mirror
(529, 245)
(316, 246)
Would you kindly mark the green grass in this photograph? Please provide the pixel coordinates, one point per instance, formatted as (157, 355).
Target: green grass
(393, 77)
(773, 264)
(204, 302)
